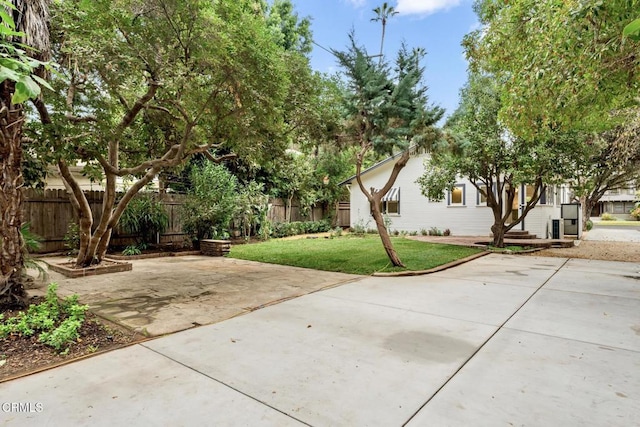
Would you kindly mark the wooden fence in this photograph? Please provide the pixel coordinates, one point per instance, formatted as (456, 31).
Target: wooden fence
(50, 212)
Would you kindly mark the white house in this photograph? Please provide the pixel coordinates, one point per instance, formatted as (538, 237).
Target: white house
(463, 211)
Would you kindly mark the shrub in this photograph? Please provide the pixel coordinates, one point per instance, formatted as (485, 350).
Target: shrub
(424, 232)
(252, 206)
(284, 229)
(435, 231)
(608, 217)
(635, 213)
(210, 203)
(589, 224)
(144, 217)
(359, 228)
(72, 239)
(446, 232)
(56, 323)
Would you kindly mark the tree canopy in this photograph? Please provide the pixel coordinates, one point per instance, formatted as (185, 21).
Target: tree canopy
(563, 63)
(147, 84)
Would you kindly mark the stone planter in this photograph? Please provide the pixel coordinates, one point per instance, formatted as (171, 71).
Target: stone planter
(215, 247)
(107, 266)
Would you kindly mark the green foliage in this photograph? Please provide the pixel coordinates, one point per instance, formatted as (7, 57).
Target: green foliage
(252, 207)
(565, 63)
(15, 64)
(589, 224)
(284, 229)
(632, 30)
(635, 213)
(72, 238)
(56, 323)
(131, 250)
(360, 227)
(144, 217)
(435, 231)
(211, 203)
(361, 255)
(608, 217)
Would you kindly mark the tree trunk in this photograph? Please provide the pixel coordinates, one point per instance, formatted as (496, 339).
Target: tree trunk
(588, 203)
(11, 257)
(289, 203)
(498, 230)
(375, 198)
(384, 236)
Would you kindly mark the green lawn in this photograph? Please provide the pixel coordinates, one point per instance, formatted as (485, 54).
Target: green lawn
(356, 255)
(617, 223)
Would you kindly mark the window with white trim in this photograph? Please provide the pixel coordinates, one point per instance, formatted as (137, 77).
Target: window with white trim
(390, 203)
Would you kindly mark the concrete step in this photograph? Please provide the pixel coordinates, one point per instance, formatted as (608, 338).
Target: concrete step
(526, 235)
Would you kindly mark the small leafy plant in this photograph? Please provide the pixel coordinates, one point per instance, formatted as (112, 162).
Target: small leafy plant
(131, 250)
(57, 323)
(608, 217)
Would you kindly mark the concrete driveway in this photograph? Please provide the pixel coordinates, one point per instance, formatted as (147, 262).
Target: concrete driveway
(165, 295)
(612, 233)
(502, 340)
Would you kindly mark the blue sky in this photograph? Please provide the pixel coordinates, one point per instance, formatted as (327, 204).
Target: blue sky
(436, 25)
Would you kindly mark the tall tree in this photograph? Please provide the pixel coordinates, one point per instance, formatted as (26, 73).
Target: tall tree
(605, 161)
(563, 62)
(23, 47)
(386, 112)
(383, 13)
(496, 163)
(150, 83)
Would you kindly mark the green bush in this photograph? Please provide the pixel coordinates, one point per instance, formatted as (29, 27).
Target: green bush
(635, 213)
(608, 217)
(72, 239)
(56, 323)
(210, 203)
(252, 206)
(284, 229)
(144, 217)
(589, 224)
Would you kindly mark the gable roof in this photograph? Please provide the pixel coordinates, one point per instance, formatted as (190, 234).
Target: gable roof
(414, 150)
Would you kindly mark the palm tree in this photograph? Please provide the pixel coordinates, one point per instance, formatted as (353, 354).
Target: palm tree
(30, 17)
(383, 13)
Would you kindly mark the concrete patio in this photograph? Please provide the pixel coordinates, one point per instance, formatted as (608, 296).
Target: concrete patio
(501, 340)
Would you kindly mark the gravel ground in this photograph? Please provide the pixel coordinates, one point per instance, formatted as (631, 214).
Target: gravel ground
(592, 249)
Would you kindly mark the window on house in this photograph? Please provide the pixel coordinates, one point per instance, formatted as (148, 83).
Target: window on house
(482, 198)
(528, 192)
(546, 197)
(457, 195)
(390, 203)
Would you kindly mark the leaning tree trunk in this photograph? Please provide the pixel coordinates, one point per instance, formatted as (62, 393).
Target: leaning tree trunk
(384, 235)
(11, 257)
(375, 197)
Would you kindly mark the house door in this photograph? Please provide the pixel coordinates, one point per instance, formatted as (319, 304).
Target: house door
(515, 207)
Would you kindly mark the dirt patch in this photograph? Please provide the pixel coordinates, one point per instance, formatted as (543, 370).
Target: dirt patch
(600, 250)
(25, 355)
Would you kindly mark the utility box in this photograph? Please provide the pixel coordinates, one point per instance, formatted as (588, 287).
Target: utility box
(571, 214)
(556, 228)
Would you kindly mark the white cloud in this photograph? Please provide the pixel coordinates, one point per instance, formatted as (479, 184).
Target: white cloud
(356, 3)
(424, 7)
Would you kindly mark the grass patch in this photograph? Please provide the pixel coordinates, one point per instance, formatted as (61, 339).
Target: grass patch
(618, 223)
(356, 255)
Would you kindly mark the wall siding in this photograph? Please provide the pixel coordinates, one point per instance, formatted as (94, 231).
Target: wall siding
(418, 213)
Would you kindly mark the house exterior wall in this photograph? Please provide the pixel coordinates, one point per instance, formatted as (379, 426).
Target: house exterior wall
(417, 212)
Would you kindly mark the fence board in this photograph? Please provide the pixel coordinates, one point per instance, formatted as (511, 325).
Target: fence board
(50, 212)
